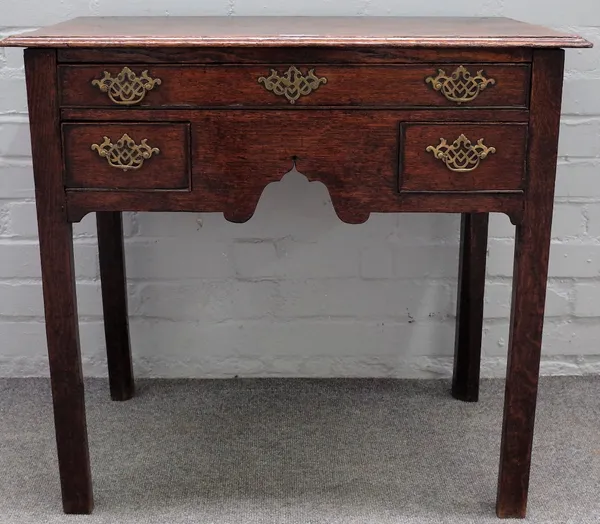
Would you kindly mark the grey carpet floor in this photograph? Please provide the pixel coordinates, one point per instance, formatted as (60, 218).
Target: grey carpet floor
(300, 452)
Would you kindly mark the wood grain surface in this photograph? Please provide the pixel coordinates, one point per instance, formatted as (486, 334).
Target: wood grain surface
(114, 304)
(287, 55)
(294, 31)
(138, 115)
(58, 281)
(350, 85)
(532, 247)
(167, 169)
(469, 306)
(364, 134)
(503, 170)
(236, 154)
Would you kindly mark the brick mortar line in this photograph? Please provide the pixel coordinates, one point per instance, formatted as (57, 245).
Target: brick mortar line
(446, 320)
(490, 280)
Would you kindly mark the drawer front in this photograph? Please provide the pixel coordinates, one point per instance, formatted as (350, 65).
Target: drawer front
(126, 156)
(435, 85)
(463, 157)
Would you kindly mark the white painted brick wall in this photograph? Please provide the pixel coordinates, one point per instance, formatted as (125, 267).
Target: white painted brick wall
(294, 291)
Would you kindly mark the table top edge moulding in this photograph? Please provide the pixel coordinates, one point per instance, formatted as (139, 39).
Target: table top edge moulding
(200, 114)
(281, 31)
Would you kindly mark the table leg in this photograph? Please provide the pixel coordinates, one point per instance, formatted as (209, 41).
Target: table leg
(114, 302)
(469, 312)
(58, 280)
(532, 246)
(62, 329)
(529, 283)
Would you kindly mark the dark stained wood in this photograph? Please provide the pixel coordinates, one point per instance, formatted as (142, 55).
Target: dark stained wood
(469, 307)
(401, 115)
(114, 302)
(503, 170)
(323, 146)
(350, 85)
(223, 138)
(271, 31)
(283, 55)
(167, 169)
(532, 245)
(80, 203)
(58, 279)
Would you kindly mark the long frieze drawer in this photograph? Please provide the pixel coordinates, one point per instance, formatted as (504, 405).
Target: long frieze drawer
(462, 157)
(294, 85)
(126, 156)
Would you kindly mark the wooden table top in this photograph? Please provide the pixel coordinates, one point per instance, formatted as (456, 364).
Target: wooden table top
(293, 31)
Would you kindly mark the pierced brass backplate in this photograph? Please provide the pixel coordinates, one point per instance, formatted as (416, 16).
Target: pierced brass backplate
(125, 154)
(292, 84)
(460, 86)
(126, 88)
(461, 156)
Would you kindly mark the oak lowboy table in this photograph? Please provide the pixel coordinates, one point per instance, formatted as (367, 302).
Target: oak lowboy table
(200, 114)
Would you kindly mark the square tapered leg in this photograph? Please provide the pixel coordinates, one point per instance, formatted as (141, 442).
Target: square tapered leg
(58, 280)
(532, 247)
(114, 302)
(469, 314)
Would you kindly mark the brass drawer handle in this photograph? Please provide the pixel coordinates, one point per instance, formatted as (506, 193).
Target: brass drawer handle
(293, 83)
(126, 88)
(461, 156)
(460, 86)
(125, 154)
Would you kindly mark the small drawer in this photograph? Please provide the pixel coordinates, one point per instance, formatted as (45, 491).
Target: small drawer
(294, 85)
(126, 156)
(462, 157)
